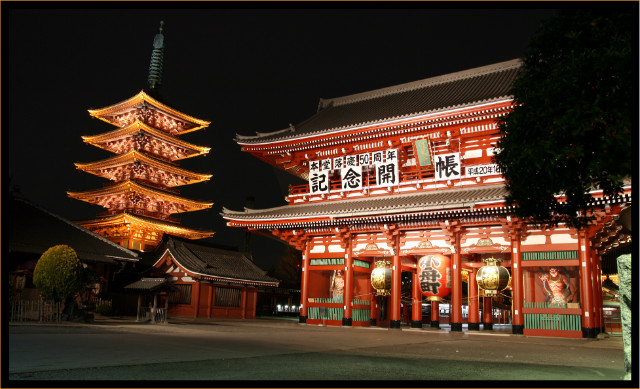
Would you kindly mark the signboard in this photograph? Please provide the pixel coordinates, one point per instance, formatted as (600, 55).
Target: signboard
(319, 182)
(351, 178)
(387, 171)
(482, 170)
(384, 162)
(447, 166)
(422, 151)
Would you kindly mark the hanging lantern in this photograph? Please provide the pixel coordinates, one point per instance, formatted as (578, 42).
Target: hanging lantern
(381, 278)
(492, 278)
(434, 273)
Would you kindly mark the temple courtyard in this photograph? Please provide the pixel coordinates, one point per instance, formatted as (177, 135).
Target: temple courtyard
(263, 351)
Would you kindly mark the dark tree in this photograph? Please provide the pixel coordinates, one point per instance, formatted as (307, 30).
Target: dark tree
(288, 269)
(571, 130)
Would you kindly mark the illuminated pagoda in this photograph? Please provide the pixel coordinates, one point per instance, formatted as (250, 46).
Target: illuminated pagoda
(145, 175)
(402, 189)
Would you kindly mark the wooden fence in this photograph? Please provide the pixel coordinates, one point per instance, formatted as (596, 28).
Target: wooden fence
(35, 310)
(145, 315)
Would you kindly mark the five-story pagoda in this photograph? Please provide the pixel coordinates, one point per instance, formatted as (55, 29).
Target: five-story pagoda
(145, 173)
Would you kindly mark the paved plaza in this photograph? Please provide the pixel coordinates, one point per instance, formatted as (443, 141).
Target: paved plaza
(267, 352)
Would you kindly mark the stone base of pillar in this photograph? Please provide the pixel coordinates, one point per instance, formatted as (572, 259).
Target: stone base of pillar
(457, 327)
(373, 322)
(346, 321)
(416, 324)
(487, 326)
(517, 329)
(474, 326)
(302, 319)
(395, 324)
(589, 332)
(435, 323)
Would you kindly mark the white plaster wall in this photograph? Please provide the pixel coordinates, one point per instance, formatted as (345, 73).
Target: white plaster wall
(475, 153)
(335, 248)
(319, 248)
(563, 238)
(360, 246)
(534, 239)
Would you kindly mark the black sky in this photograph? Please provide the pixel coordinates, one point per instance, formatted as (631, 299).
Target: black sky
(245, 70)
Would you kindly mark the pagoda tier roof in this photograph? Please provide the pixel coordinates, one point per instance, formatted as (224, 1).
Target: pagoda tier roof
(33, 230)
(138, 127)
(214, 263)
(458, 90)
(146, 223)
(134, 187)
(431, 201)
(143, 99)
(134, 156)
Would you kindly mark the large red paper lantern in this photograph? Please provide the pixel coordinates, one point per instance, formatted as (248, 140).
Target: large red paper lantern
(434, 273)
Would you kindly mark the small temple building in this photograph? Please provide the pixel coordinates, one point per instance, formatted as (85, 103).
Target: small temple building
(143, 195)
(200, 280)
(402, 186)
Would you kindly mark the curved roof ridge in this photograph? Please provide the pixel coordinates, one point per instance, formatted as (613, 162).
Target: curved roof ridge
(141, 187)
(313, 206)
(134, 154)
(464, 74)
(79, 227)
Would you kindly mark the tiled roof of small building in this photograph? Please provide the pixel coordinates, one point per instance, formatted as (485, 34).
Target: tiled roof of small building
(455, 90)
(149, 284)
(33, 230)
(379, 205)
(215, 262)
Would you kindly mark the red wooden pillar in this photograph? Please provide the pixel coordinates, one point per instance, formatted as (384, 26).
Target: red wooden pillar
(211, 288)
(347, 318)
(416, 303)
(456, 292)
(396, 283)
(474, 319)
(197, 293)
(304, 292)
(373, 315)
(435, 313)
(516, 283)
(243, 303)
(487, 313)
(597, 291)
(586, 287)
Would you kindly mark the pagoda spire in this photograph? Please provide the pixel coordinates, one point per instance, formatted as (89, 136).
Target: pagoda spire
(155, 68)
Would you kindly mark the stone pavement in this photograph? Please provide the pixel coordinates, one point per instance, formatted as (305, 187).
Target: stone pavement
(249, 351)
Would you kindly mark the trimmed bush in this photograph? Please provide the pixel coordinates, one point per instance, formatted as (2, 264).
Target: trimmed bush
(58, 273)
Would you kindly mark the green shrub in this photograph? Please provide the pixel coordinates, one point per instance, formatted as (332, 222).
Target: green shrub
(58, 273)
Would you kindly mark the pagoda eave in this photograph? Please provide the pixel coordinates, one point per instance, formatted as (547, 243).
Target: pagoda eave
(125, 219)
(138, 127)
(133, 187)
(142, 97)
(134, 156)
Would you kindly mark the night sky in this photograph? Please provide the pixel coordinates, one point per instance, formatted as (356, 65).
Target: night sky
(245, 70)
